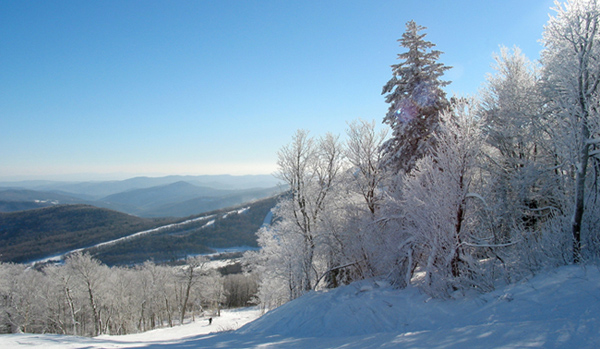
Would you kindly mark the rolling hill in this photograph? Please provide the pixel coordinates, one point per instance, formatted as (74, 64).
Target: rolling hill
(118, 238)
(22, 199)
(210, 203)
(180, 199)
(38, 233)
(230, 228)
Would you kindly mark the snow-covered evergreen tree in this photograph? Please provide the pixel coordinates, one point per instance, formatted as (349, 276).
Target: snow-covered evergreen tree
(416, 98)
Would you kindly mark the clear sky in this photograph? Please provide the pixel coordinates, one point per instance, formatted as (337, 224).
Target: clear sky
(115, 89)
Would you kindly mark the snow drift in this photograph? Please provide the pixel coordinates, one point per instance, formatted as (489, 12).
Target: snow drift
(558, 308)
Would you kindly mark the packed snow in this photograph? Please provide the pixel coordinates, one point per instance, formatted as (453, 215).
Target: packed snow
(558, 308)
(170, 337)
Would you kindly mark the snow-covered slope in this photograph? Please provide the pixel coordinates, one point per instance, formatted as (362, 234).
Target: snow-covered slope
(556, 309)
(177, 337)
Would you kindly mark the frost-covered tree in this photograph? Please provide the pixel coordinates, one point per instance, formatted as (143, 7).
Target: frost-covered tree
(212, 290)
(311, 169)
(21, 302)
(295, 249)
(416, 98)
(572, 76)
(85, 297)
(278, 262)
(163, 285)
(520, 160)
(436, 199)
(189, 275)
(360, 239)
(89, 277)
(67, 306)
(365, 158)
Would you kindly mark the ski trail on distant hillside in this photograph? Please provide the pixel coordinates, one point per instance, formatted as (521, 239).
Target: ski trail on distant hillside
(141, 233)
(138, 234)
(124, 238)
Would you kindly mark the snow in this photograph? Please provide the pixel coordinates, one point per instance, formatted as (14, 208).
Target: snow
(240, 211)
(558, 308)
(175, 337)
(209, 223)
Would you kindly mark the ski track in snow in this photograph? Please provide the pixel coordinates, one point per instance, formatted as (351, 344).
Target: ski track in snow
(556, 309)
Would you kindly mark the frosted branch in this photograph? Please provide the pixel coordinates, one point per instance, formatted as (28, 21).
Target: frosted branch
(490, 245)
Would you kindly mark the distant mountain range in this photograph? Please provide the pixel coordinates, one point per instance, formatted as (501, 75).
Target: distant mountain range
(171, 196)
(94, 190)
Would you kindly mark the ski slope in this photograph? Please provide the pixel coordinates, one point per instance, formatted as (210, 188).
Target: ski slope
(556, 309)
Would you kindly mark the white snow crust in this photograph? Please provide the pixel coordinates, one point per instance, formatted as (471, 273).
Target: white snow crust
(556, 309)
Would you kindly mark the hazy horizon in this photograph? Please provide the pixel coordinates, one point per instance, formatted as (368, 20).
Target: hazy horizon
(100, 177)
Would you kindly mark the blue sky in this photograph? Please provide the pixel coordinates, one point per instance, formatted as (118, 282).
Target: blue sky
(115, 89)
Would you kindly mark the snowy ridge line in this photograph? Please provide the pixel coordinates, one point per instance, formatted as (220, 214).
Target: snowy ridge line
(124, 238)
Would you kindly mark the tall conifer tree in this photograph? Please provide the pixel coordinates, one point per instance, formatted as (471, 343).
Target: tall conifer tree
(416, 98)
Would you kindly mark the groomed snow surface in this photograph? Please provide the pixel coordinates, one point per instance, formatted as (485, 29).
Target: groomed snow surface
(556, 309)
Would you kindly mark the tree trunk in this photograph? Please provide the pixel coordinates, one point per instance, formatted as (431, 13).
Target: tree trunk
(460, 216)
(187, 295)
(580, 194)
(95, 316)
(168, 312)
(72, 310)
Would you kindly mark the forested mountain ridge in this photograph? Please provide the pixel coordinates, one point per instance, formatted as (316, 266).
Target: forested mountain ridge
(36, 234)
(32, 234)
(233, 227)
(207, 203)
(12, 200)
(181, 199)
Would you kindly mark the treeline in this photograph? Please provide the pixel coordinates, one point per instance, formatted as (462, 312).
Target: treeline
(464, 192)
(85, 297)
